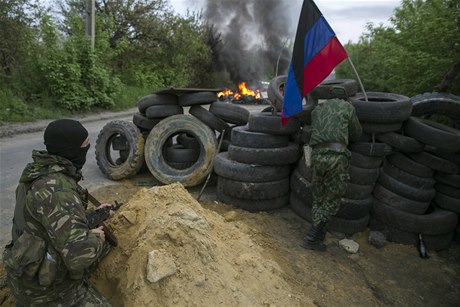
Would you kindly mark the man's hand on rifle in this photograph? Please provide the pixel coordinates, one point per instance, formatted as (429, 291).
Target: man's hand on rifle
(105, 205)
(99, 231)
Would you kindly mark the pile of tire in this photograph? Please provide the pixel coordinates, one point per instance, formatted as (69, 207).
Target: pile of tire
(407, 199)
(254, 173)
(175, 147)
(447, 108)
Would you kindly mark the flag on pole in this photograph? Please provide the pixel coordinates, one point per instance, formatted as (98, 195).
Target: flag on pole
(316, 52)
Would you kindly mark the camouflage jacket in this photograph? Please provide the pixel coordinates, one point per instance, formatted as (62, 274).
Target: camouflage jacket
(55, 212)
(334, 121)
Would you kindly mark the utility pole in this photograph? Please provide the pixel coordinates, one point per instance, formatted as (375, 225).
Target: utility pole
(91, 20)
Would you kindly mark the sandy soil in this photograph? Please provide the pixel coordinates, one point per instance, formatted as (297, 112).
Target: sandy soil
(208, 253)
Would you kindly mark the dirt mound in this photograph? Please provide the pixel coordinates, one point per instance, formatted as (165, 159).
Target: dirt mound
(204, 258)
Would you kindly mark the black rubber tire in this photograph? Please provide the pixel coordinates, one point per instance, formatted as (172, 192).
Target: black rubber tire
(447, 190)
(429, 132)
(402, 142)
(434, 162)
(322, 91)
(385, 108)
(405, 190)
(225, 167)
(302, 168)
(371, 149)
(304, 116)
(407, 178)
(169, 127)
(380, 128)
(162, 111)
(273, 92)
(254, 190)
(302, 136)
(358, 191)
(242, 137)
(265, 156)
(452, 157)
(448, 179)
(398, 202)
(199, 98)
(135, 157)
(271, 124)
(144, 123)
(179, 153)
(230, 113)
(436, 103)
(301, 187)
(188, 141)
(354, 209)
(392, 234)
(209, 119)
(253, 205)
(436, 222)
(337, 224)
(447, 202)
(156, 99)
(360, 160)
(407, 164)
(363, 176)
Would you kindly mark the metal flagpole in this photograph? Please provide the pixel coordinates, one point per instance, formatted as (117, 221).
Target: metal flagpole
(359, 79)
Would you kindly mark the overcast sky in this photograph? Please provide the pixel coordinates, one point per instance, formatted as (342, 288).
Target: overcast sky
(346, 17)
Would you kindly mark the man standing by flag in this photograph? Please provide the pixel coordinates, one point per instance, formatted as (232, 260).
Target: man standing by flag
(334, 122)
(316, 52)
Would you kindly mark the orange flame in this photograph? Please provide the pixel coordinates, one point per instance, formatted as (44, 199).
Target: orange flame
(242, 90)
(226, 92)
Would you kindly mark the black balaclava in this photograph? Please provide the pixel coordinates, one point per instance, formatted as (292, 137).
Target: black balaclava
(63, 137)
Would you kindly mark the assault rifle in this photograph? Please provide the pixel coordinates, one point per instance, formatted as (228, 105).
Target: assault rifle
(98, 217)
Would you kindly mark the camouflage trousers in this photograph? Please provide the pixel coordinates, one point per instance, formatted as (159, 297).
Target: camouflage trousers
(88, 297)
(329, 183)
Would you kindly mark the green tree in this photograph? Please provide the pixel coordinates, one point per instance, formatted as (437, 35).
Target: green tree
(414, 54)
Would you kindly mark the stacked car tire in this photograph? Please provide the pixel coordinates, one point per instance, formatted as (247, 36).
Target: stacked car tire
(254, 173)
(177, 147)
(406, 194)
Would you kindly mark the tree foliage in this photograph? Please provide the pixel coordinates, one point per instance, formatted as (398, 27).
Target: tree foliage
(46, 57)
(414, 54)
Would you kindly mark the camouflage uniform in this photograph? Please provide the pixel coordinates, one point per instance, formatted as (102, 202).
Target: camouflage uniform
(50, 206)
(333, 121)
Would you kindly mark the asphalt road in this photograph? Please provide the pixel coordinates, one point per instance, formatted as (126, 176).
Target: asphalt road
(17, 142)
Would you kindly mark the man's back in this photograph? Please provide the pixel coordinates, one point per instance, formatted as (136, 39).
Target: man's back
(334, 121)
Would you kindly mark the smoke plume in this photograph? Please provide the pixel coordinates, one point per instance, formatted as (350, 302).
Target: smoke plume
(255, 36)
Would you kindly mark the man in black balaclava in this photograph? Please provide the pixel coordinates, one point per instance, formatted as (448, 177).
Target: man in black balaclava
(51, 237)
(65, 138)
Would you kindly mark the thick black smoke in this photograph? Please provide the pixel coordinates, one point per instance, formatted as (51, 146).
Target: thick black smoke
(254, 35)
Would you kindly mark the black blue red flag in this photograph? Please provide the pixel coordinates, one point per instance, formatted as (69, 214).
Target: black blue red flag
(316, 52)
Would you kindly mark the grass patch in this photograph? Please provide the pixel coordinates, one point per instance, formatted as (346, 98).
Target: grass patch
(14, 109)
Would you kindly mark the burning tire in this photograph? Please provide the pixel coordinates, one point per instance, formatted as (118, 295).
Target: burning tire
(165, 130)
(131, 155)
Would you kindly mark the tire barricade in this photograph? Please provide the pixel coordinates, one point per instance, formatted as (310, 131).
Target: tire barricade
(404, 171)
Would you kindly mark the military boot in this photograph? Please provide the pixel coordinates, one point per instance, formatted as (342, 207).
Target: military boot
(314, 239)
